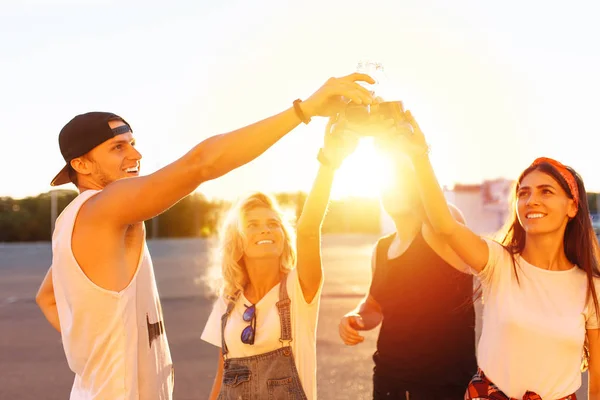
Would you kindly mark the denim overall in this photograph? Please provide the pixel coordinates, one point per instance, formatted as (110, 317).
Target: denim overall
(271, 375)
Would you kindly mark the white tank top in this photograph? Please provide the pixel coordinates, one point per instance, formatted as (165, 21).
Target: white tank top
(115, 342)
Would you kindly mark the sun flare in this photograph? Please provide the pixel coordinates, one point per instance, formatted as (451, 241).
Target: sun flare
(363, 173)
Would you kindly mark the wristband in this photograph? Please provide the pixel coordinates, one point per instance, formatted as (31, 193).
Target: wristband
(324, 160)
(299, 112)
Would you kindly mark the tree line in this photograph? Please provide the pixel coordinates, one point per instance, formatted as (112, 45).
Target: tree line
(30, 219)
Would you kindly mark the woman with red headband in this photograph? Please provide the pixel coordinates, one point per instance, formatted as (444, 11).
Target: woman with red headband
(540, 282)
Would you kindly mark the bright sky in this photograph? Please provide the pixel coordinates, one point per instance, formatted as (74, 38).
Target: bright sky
(493, 84)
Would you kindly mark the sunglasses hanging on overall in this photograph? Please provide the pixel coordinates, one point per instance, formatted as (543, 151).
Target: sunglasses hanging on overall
(249, 331)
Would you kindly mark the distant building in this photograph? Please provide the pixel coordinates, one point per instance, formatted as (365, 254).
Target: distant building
(596, 222)
(485, 206)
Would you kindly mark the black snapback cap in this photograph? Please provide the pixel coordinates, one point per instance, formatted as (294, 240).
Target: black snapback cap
(82, 134)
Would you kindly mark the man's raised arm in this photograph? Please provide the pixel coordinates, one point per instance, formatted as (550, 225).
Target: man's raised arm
(128, 201)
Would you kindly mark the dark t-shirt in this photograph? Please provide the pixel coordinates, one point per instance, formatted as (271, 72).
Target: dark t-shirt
(427, 337)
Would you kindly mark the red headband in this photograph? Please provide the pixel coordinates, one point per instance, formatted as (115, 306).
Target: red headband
(565, 173)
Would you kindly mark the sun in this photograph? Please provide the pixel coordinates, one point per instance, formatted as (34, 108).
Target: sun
(363, 173)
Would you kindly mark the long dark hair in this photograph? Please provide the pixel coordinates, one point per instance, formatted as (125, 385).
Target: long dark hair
(580, 242)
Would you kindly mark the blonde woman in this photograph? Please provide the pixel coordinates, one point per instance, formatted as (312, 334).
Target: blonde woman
(265, 319)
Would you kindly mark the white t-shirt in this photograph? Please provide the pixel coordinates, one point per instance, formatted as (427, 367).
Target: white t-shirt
(533, 331)
(304, 329)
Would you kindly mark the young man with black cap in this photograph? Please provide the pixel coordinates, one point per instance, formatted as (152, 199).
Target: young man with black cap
(100, 291)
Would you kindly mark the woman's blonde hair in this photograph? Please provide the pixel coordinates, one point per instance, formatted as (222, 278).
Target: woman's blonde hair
(231, 250)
